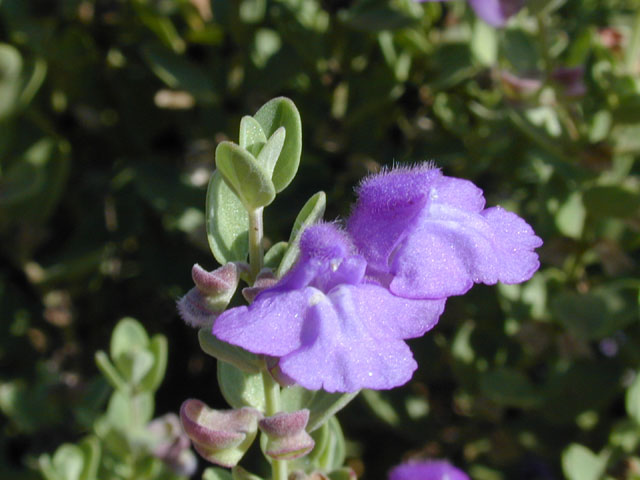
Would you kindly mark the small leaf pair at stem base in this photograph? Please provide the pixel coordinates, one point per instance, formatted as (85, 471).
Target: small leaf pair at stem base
(249, 175)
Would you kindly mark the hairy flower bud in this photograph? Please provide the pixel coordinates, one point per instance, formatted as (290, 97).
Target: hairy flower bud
(287, 437)
(211, 295)
(264, 280)
(219, 436)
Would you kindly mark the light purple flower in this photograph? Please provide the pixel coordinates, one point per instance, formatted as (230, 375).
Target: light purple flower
(494, 12)
(426, 235)
(329, 329)
(427, 470)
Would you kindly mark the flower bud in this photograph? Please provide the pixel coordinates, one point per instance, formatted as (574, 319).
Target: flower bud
(219, 436)
(211, 295)
(571, 79)
(172, 444)
(519, 87)
(264, 280)
(287, 437)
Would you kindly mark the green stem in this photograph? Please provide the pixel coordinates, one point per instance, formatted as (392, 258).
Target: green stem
(256, 253)
(272, 406)
(633, 52)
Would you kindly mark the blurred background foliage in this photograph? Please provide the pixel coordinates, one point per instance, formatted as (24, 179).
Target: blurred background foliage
(110, 111)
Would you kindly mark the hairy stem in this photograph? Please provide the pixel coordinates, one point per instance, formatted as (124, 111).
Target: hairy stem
(256, 233)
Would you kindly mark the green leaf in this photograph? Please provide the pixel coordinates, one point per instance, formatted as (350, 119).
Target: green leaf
(227, 222)
(270, 153)
(632, 400)
(252, 137)
(244, 175)
(276, 113)
(311, 212)
(240, 358)
(159, 349)
(580, 463)
(216, 474)
(275, 254)
(322, 405)
(333, 450)
(241, 389)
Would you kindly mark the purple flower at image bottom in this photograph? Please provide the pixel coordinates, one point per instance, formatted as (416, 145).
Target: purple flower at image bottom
(425, 235)
(427, 470)
(494, 12)
(329, 328)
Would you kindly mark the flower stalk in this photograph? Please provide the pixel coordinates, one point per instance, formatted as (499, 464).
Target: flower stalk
(256, 252)
(272, 406)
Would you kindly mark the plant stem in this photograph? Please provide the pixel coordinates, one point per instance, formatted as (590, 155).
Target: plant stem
(272, 406)
(633, 51)
(256, 233)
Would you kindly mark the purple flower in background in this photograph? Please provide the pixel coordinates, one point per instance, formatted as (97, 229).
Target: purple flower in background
(427, 470)
(329, 328)
(494, 12)
(426, 235)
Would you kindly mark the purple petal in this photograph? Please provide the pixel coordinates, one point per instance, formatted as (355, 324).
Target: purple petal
(378, 310)
(427, 470)
(343, 350)
(453, 249)
(496, 12)
(515, 241)
(271, 325)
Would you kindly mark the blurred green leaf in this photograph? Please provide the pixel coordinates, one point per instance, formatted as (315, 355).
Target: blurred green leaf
(374, 16)
(240, 389)
(159, 349)
(611, 201)
(508, 387)
(632, 400)
(580, 463)
(216, 474)
(176, 72)
(128, 336)
(484, 43)
(10, 79)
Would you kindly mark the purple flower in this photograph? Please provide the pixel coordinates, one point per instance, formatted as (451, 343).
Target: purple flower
(494, 12)
(429, 236)
(427, 470)
(329, 328)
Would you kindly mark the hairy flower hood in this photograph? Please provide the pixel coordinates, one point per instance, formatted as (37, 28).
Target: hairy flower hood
(426, 235)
